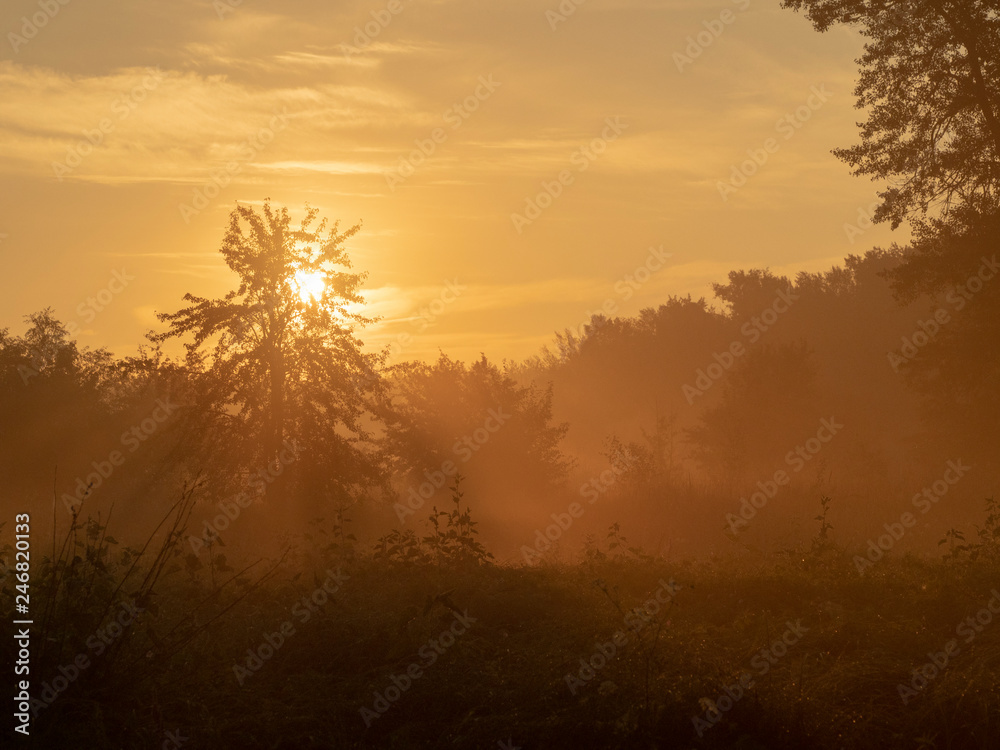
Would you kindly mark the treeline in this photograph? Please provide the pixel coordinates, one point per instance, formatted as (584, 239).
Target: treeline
(853, 383)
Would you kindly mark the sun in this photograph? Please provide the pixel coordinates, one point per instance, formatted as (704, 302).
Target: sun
(310, 285)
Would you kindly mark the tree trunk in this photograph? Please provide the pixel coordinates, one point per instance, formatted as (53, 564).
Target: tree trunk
(276, 421)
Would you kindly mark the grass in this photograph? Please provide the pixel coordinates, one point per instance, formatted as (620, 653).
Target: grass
(170, 672)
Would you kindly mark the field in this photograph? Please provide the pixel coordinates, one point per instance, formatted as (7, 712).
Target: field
(427, 643)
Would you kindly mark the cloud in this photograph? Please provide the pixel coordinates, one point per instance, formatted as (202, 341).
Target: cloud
(352, 118)
(328, 167)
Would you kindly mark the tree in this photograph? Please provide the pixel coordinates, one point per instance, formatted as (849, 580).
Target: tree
(478, 420)
(768, 404)
(66, 408)
(930, 82)
(285, 363)
(49, 391)
(749, 293)
(958, 367)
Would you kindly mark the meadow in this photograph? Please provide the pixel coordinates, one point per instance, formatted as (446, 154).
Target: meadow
(426, 642)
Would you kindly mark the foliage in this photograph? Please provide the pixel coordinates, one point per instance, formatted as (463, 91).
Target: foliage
(930, 85)
(987, 545)
(479, 419)
(282, 366)
(451, 541)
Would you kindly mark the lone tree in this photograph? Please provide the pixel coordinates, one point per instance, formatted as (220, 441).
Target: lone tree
(280, 362)
(930, 84)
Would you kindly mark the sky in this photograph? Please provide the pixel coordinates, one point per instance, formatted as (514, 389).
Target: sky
(515, 166)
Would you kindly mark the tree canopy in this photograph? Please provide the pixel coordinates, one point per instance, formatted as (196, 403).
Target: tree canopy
(930, 86)
(282, 362)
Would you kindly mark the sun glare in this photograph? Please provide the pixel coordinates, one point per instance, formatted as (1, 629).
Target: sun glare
(310, 285)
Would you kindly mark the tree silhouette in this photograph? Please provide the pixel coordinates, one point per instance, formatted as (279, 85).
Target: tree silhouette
(498, 432)
(768, 403)
(284, 366)
(929, 82)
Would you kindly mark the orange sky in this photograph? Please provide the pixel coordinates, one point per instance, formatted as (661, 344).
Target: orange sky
(289, 102)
